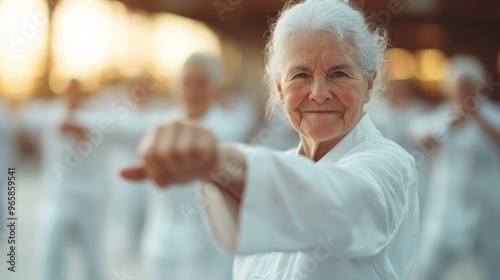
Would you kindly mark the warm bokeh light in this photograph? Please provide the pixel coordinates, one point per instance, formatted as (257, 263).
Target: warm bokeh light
(401, 64)
(431, 64)
(176, 38)
(23, 39)
(97, 53)
(92, 40)
(136, 51)
(120, 37)
(130, 57)
(82, 40)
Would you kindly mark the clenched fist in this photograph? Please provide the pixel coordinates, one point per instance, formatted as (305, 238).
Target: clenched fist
(176, 152)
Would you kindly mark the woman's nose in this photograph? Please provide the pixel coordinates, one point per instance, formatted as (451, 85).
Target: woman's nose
(320, 91)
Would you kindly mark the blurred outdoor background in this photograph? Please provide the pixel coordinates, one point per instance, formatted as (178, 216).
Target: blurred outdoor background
(101, 52)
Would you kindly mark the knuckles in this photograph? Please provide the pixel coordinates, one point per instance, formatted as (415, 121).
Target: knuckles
(197, 151)
(201, 142)
(178, 154)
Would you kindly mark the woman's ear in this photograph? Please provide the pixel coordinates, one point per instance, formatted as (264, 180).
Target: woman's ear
(370, 87)
(279, 90)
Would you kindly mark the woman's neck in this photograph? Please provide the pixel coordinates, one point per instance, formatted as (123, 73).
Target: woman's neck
(316, 150)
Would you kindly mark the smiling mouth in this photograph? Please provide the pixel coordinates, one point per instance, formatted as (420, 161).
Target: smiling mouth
(321, 112)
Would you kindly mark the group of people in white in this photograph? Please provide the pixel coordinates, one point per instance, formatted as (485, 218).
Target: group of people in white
(401, 197)
(85, 140)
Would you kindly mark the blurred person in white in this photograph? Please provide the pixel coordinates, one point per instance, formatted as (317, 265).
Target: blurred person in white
(30, 119)
(136, 110)
(75, 189)
(343, 204)
(402, 107)
(128, 201)
(176, 245)
(463, 214)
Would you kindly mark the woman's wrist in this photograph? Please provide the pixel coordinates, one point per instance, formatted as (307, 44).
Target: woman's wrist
(230, 171)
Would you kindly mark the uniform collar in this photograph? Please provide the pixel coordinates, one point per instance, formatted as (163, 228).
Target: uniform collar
(357, 135)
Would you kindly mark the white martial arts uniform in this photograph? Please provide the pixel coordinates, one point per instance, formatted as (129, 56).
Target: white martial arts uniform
(176, 246)
(76, 187)
(352, 215)
(463, 198)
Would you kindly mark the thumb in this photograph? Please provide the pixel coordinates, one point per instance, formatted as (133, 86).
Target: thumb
(134, 173)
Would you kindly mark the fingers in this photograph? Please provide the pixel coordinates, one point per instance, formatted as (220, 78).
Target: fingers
(183, 156)
(192, 150)
(166, 148)
(148, 149)
(140, 174)
(176, 152)
(136, 173)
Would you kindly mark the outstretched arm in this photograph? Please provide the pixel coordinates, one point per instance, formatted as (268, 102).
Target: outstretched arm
(179, 152)
(268, 202)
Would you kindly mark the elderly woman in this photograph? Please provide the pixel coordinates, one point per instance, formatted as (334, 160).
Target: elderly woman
(344, 204)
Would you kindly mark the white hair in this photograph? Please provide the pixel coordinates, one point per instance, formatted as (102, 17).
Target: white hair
(462, 66)
(211, 63)
(338, 18)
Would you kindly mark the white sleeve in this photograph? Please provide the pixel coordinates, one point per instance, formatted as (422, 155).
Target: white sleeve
(290, 202)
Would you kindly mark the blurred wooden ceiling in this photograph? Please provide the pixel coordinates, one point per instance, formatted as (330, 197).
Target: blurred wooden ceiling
(454, 26)
(419, 23)
(257, 11)
(204, 9)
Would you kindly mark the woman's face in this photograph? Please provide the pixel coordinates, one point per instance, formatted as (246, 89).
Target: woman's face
(322, 88)
(197, 89)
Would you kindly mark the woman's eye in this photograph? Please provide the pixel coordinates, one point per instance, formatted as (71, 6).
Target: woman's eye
(301, 75)
(338, 74)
